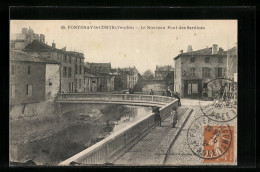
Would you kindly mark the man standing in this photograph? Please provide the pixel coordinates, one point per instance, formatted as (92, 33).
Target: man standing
(176, 95)
(175, 117)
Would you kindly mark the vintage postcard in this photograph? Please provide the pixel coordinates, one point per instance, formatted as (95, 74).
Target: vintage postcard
(123, 93)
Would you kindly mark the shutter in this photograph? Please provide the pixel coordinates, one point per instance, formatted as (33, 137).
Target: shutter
(216, 72)
(225, 72)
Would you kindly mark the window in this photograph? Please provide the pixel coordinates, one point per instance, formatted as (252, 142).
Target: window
(65, 58)
(29, 90)
(13, 91)
(13, 70)
(79, 83)
(76, 59)
(220, 60)
(64, 71)
(220, 72)
(206, 72)
(79, 69)
(192, 59)
(70, 59)
(206, 59)
(192, 71)
(29, 70)
(76, 69)
(69, 71)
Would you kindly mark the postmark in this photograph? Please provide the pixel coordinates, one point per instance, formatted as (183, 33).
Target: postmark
(210, 140)
(218, 100)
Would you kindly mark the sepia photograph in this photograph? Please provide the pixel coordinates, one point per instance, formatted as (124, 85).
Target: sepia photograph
(123, 93)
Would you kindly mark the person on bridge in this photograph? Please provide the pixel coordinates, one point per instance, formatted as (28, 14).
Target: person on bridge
(151, 92)
(163, 93)
(168, 93)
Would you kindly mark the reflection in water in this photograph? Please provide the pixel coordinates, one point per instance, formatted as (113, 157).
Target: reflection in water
(86, 127)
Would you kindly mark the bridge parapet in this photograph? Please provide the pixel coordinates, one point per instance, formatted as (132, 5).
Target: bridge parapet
(113, 97)
(115, 145)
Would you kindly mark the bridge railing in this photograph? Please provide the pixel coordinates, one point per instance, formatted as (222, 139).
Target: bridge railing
(115, 145)
(114, 97)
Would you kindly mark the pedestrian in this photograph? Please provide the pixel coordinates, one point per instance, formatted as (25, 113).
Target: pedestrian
(157, 116)
(163, 93)
(151, 92)
(168, 93)
(176, 95)
(175, 117)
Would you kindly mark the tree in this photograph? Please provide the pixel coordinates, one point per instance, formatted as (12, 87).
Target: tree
(148, 75)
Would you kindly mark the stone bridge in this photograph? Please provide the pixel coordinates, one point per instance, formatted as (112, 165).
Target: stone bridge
(114, 146)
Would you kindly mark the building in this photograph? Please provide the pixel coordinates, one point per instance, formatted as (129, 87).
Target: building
(72, 63)
(97, 80)
(32, 79)
(162, 72)
(194, 68)
(127, 77)
(20, 40)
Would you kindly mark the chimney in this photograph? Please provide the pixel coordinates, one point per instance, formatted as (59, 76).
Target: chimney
(189, 49)
(53, 45)
(181, 51)
(214, 48)
(42, 38)
(24, 31)
(220, 49)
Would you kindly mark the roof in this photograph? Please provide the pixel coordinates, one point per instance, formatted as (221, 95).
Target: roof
(38, 46)
(201, 52)
(95, 73)
(18, 55)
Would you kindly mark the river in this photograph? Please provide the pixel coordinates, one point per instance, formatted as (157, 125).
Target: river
(84, 127)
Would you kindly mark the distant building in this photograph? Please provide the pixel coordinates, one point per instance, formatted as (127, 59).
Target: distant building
(127, 77)
(32, 79)
(194, 68)
(162, 72)
(20, 40)
(72, 64)
(97, 80)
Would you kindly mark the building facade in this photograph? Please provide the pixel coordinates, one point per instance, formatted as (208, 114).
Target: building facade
(195, 68)
(32, 79)
(72, 64)
(127, 77)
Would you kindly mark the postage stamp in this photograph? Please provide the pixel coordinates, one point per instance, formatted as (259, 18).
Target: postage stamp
(212, 141)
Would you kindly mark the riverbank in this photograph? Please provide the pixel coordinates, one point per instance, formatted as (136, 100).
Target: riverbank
(53, 139)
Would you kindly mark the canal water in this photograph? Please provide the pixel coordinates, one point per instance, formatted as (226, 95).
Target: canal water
(84, 128)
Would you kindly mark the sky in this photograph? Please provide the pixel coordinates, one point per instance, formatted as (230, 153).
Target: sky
(144, 44)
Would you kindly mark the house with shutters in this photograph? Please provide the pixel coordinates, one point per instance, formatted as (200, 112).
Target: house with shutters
(194, 68)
